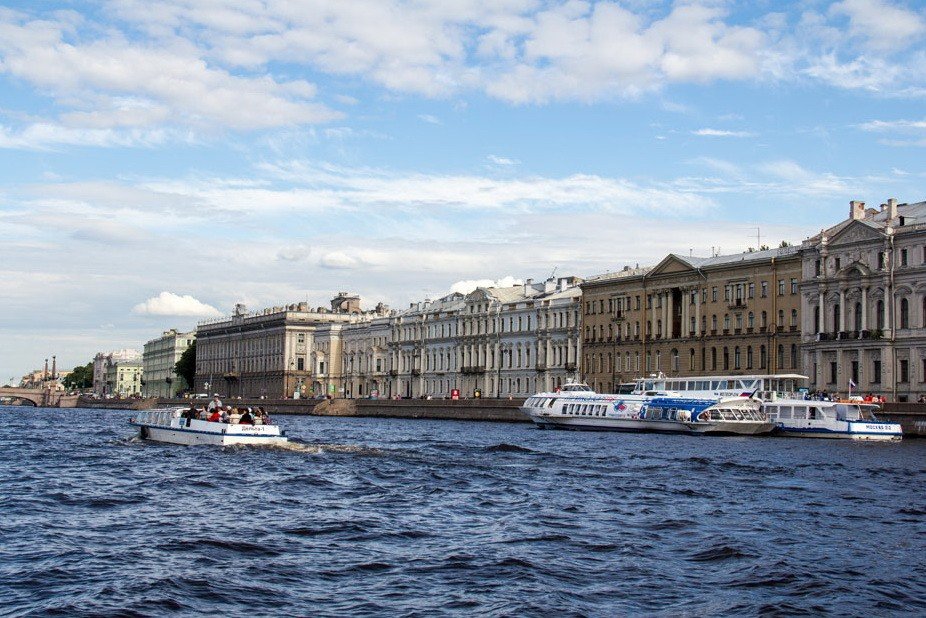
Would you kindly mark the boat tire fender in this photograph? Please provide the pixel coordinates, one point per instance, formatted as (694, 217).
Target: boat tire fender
(143, 433)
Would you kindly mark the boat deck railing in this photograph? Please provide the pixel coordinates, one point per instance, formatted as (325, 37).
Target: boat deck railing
(155, 417)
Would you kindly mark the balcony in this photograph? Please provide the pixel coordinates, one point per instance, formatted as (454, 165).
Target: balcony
(739, 303)
(473, 369)
(737, 331)
(793, 328)
(231, 375)
(416, 372)
(393, 372)
(540, 367)
(570, 367)
(825, 337)
(749, 330)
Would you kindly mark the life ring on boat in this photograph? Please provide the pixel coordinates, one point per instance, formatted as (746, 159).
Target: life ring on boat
(143, 433)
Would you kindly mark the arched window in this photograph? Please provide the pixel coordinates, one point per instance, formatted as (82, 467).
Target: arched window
(726, 357)
(763, 319)
(658, 361)
(714, 322)
(836, 325)
(780, 361)
(879, 318)
(749, 357)
(793, 356)
(713, 358)
(736, 357)
(781, 318)
(763, 357)
(726, 321)
(858, 316)
(691, 360)
(794, 317)
(904, 313)
(751, 320)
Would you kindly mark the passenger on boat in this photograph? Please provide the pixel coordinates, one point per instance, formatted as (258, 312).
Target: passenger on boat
(234, 417)
(225, 415)
(215, 417)
(246, 418)
(215, 403)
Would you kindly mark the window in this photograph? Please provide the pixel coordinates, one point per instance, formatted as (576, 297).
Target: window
(794, 356)
(736, 357)
(816, 268)
(876, 372)
(855, 371)
(857, 315)
(781, 318)
(764, 291)
(838, 264)
(714, 322)
(752, 290)
(833, 372)
(300, 338)
(794, 286)
(749, 357)
(781, 287)
(704, 293)
(751, 320)
(780, 358)
(794, 318)
(726, 321)
(763, 357)
(879, 318)
(649, 301)
(903, 257)
(904, 373)
(674, 360)
(727, 293)
(904, 313)
(763, 319)
(300, 364)
(713, 358)
(714, 294)
(691, 360)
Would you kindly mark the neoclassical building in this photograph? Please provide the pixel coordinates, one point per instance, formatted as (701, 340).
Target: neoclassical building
(494, 341)
(864, 302)
(269, 353)
(729, 314)
(159, 358)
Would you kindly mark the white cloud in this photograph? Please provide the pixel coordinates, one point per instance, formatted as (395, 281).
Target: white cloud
(467, 286)
(884, 25)
(503, 161)
(722, 133)
(168, 303)
(428, 118)
(894, 125)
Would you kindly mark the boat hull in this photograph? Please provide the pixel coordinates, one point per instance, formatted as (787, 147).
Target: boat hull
(885, 432)
(651, 426)
(160, 426)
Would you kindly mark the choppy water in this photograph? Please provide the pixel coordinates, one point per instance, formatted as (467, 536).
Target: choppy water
(395, 517)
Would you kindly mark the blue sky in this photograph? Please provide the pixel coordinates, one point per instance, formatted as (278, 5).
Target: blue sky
(161, 160)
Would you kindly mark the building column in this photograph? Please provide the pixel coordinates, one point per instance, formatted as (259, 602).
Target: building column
(842, 310)
(653, 318)
(821, 326)
(864, 312)
(698, 312)
(667, 324)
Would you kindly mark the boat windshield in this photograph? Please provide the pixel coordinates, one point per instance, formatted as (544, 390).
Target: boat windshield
(577, 388)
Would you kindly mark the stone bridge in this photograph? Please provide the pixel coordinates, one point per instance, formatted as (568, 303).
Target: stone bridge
(45, 398)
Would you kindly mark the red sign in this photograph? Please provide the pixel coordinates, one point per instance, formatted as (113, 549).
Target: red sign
(455, 393)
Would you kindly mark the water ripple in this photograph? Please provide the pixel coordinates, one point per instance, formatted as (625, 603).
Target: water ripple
(373, 517)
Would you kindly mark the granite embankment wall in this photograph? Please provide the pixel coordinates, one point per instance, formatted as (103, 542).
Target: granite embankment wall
(497, 410)
(272, 406)
(911, 416)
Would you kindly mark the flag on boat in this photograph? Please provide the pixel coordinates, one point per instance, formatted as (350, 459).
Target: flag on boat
(852, 384)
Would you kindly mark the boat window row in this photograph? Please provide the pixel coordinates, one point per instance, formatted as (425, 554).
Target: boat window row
(540, 402)
(842, 412)
(585, 409)
(732, 414)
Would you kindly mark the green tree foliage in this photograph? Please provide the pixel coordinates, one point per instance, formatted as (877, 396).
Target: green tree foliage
(186, 366)
(80, 377)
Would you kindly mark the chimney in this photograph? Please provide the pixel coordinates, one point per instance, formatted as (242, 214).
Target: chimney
(549, 285)
(856, 210)
(891, 208)
(527, 285)
(563, 283)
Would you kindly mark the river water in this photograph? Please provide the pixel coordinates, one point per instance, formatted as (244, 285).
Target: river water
(421, 518)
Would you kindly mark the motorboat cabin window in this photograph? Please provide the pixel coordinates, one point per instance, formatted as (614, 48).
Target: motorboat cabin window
(784, 412)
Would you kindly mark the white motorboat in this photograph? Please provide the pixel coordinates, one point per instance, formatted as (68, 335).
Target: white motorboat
(830, 419)
(578, 407)
(169, 426)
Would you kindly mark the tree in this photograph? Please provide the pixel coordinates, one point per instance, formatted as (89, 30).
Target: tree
(80, 377)
(784, 243)
(186, 366)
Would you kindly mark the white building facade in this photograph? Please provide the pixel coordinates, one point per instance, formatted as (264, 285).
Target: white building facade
(103, 375)
(159, 359)
(864, 297)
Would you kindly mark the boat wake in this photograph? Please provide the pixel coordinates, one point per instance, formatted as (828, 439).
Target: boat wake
(321, 449)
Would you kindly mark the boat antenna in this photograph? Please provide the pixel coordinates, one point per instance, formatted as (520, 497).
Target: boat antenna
(553, 274)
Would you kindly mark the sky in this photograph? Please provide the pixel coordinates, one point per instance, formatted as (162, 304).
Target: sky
(162, 160)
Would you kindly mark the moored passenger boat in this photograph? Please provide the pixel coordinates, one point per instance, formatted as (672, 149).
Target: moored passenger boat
(581, 408)
(830, 419)
(169, 426)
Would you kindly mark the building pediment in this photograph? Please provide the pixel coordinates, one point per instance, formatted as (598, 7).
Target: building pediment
(855, 232)
(671, 264)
